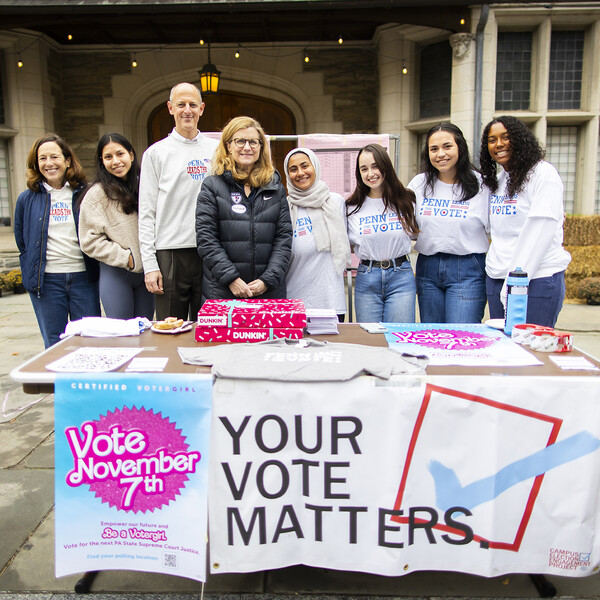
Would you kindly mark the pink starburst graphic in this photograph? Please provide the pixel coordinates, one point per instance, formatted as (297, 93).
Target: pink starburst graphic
(446, 339)
(160, 435)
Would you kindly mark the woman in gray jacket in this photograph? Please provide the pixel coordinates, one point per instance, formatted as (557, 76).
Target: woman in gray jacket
(108, 230)
(243, 227)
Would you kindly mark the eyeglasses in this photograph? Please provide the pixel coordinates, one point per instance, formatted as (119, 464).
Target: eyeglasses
(241, 142)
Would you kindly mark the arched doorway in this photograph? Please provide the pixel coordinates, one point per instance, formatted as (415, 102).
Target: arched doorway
(275, 118)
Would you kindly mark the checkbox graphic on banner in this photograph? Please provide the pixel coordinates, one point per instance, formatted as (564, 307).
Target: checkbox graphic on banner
(494, 461)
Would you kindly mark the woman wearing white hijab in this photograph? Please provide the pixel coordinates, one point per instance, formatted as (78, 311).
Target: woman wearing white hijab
(320, 248)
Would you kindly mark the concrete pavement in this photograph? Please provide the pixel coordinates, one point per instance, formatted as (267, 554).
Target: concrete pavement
(27, 501)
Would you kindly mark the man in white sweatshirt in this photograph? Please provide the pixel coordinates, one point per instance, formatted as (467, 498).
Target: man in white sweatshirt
(172, 173)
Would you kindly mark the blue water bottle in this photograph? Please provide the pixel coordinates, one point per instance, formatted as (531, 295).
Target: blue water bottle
(516, 299)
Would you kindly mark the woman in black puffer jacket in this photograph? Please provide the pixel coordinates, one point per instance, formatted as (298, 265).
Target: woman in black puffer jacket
(243, 228)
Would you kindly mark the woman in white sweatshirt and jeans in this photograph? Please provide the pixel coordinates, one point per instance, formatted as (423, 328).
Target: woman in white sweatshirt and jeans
(526, 220)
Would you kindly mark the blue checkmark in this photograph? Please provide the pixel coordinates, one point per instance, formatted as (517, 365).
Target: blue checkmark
(449, 492)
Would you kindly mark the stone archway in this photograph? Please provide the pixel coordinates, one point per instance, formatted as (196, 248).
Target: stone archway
(133, 101)
(275, 118)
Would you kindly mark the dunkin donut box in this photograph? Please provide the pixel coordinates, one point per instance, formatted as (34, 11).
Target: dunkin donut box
(246, 334)
(277, 317)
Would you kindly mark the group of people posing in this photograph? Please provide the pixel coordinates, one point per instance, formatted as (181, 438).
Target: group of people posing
(452, 210)
(204, 218)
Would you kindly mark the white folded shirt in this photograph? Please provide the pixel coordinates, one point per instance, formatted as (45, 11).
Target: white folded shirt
(105, 327)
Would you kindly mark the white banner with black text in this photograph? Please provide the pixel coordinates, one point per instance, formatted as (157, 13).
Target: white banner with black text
(485, 475)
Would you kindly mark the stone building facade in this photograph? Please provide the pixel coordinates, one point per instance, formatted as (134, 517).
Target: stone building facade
(405, 79)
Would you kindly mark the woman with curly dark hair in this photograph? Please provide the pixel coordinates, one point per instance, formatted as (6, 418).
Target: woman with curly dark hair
(452, 214)
(526, 220)
(108, 230)
(381, 217)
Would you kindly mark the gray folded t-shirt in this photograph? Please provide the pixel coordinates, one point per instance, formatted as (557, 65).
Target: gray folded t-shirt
(302, 360)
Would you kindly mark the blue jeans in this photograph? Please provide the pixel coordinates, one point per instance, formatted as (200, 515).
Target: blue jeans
(64, 296)
(124, 294)
(544, 299)
(451, 288)
(385, 295)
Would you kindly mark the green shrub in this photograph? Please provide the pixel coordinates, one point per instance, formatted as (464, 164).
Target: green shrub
(589, 289)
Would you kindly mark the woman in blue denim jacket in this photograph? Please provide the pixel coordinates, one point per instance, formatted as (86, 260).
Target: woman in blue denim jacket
(62, 281)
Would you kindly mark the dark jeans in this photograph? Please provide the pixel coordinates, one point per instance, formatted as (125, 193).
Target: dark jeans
(64, 297)
(544, 299)
(182, 282)
(124, 294)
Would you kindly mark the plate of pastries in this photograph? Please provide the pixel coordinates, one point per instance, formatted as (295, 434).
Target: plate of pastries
(172, 325)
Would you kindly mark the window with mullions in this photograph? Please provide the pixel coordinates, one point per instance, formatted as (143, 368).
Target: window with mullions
(513, 70)
(566, 68)
(561, 151)
(435, 80)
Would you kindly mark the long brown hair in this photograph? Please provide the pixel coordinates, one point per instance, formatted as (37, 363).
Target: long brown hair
(122, 191)
(263, 169)
(395, 196)
(74, 173)
(466, 180)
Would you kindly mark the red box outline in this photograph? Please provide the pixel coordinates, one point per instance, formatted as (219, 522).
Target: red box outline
(537, 482)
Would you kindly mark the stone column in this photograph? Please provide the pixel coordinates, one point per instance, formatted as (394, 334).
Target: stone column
(463, 83)
(396, 88)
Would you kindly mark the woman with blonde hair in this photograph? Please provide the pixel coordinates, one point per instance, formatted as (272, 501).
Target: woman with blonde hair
(62, 282)
(243, 228)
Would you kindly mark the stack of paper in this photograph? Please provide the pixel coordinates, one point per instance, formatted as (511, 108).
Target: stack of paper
(321, 321)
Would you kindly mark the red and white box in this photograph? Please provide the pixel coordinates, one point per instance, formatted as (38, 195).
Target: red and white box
(245, 334)
(253, 313)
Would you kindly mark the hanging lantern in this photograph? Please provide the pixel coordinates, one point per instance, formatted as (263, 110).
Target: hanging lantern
(209, 77)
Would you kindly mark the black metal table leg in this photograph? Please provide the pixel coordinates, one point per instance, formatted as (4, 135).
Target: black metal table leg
(544, 587)
(85, 583)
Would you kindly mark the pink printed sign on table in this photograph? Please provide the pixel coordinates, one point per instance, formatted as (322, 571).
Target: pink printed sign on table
(131, 473)
(458, 344)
